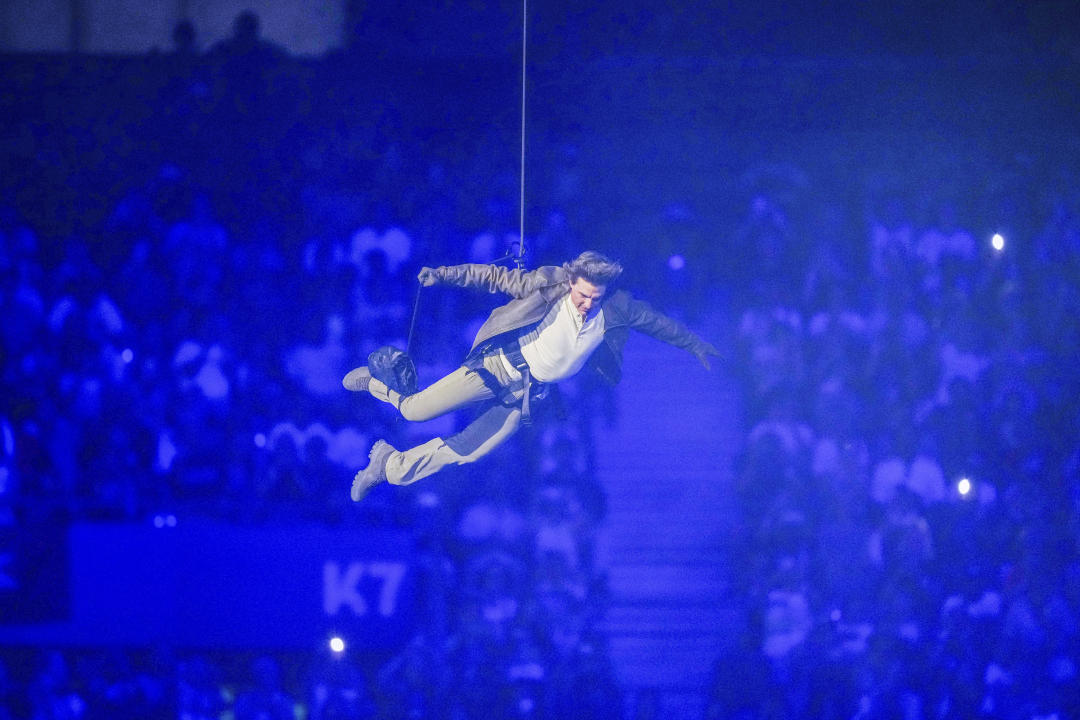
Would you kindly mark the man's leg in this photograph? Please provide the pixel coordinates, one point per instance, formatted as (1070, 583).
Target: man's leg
(461, 387)
(482, 435)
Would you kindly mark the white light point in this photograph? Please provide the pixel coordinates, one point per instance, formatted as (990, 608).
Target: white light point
(963, 487)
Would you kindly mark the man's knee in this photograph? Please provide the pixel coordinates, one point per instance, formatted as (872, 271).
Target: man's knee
(413, 412)
(469, 459)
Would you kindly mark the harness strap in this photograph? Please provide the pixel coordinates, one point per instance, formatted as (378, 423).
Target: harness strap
(512, 351)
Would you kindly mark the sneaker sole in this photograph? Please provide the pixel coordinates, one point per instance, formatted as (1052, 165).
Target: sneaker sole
(357, 380)
(378, 456)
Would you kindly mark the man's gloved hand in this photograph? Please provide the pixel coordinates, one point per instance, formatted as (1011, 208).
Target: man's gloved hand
(428, 277)
(704, 351)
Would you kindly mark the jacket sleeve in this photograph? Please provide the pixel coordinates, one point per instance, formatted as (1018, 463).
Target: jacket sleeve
(492, 278)
(645, 319)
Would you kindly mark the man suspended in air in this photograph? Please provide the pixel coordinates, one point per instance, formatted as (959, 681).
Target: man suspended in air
(559, 320)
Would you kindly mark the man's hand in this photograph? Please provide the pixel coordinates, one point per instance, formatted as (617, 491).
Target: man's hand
(428, 277)
(704, 351)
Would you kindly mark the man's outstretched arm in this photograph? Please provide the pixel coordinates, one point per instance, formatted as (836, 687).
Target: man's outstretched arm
(489, 278)
(645, 319)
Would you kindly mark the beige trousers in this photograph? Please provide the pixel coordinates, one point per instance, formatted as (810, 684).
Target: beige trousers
(456, 390)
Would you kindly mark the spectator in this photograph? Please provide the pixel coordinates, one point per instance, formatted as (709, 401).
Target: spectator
(52, 691)
(266, 699)
(183, 37)
(7, 693)
(319, 368)
(199, 693)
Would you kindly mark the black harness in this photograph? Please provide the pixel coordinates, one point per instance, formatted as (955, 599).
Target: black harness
(511, 348)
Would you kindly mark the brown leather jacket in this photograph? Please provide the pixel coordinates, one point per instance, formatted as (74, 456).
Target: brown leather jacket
(535, 291)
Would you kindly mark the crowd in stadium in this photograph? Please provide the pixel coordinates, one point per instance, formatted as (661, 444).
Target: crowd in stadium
(176, 322)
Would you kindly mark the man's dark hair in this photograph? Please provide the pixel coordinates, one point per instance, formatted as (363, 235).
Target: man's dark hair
(594, 268)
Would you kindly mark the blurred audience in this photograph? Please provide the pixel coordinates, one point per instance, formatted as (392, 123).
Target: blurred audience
(909, 484)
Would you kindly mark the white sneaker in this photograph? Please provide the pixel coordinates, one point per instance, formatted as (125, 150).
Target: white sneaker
(374, 473)
(357, 379)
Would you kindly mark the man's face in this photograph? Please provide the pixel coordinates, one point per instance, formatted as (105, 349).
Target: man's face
(585, 296)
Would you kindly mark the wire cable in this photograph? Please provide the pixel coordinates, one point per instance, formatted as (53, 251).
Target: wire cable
(519, 260)
(412, 323)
